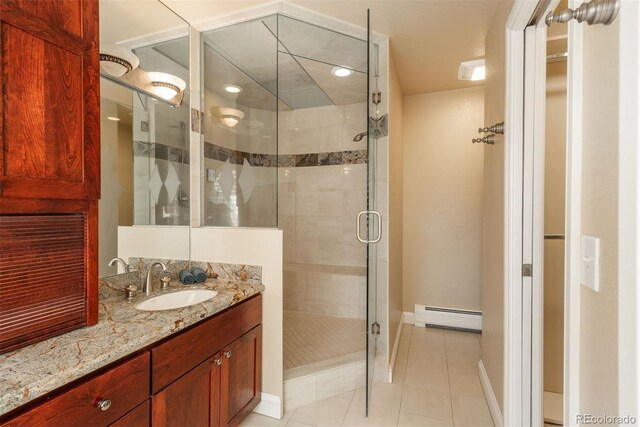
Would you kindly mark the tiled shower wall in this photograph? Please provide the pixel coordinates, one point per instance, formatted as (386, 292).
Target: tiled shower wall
(320, 195)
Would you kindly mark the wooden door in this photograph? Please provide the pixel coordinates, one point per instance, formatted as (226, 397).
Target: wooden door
(186, 401)
(241, 377)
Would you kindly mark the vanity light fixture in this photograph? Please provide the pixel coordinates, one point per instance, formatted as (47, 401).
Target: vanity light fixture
(230, 117)
(472, 70)
(116, 60)
(341, 71)
(166, 86)
(233, 88)
(113, 119)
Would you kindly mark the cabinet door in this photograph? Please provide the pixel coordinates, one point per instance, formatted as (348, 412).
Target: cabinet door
(214, 402)
(241, 377)
(139, 417)
(50, 145)
(186, 401)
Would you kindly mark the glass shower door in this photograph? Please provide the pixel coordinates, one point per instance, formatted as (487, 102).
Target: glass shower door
(373, 219)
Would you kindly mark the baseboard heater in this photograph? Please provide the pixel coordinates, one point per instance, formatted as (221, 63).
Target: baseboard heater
(451, 318)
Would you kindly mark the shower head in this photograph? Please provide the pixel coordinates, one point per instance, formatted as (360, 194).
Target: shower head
(359, 136)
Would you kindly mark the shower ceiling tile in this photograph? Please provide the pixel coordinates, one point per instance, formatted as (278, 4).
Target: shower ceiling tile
(341, 90)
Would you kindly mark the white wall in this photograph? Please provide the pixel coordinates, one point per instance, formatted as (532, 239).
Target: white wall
(261, 247)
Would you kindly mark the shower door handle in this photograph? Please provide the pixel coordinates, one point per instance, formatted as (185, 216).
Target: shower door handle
(379, 235)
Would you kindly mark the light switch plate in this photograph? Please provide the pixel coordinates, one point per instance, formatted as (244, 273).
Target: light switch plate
(590, 262)
(211, 175)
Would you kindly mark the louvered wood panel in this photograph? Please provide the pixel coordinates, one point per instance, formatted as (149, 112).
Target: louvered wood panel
(42, 277)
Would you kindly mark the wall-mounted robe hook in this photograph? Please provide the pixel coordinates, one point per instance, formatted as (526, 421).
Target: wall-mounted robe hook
(489, 139)
(498, 129)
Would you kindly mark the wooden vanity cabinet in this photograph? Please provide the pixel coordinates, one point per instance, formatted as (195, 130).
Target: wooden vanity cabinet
(223, 388)
(99, 401)
(208, 375)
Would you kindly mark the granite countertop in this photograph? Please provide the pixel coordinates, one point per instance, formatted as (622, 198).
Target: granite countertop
(37, 369)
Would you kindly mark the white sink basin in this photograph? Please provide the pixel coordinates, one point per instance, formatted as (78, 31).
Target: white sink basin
(176, 300)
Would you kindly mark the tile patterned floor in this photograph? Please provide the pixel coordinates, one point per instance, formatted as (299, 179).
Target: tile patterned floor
(311, 338)
(436, 383)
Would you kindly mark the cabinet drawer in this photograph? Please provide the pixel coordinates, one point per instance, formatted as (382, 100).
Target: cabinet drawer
(177, 356)
(125, 386)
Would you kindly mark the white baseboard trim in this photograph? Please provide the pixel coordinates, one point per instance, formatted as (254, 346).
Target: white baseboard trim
(494, 407)
(448, 317)
(394, 353)
(408, 317)
(270, 405)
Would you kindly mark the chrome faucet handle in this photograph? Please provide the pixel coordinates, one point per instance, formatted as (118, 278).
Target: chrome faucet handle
(120, 261)
(146, 287)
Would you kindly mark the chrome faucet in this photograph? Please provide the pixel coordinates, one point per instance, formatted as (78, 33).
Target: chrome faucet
(146, 287)
(122, 262)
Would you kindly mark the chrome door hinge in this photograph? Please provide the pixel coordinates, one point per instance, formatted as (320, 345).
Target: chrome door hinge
(375, 328)
(527, 270)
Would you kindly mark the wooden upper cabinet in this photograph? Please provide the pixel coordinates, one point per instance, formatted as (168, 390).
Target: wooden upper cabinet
(50, 99)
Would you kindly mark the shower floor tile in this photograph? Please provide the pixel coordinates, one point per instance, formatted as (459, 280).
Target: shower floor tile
(311, 339)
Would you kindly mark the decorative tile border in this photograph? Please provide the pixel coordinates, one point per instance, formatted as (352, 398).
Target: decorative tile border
(160, 151)
(216, 152)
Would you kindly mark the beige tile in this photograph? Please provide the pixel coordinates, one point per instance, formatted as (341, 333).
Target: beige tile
(292, 423)
(378, 416)
(257, 420)
(428, 403)
(299, 392)
(427, 359)
(462, 364)
(426, 377)
(399, 371)
(328, 412)
(336, 381)
(407, 419)
(466, 384)
(387, 395)
(471, 411)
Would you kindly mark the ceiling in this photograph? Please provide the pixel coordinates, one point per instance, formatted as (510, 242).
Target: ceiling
(429, 38)
(284, 57)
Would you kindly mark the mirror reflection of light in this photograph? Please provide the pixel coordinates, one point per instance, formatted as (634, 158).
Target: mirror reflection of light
(346, 170)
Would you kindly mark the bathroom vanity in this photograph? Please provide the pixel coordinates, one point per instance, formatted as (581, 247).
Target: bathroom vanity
(202, 368)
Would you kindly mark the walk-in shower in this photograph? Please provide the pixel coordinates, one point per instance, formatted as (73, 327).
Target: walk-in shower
(298, 93)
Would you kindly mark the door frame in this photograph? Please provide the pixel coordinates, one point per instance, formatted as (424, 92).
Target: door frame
(515, 374)
(519, 369)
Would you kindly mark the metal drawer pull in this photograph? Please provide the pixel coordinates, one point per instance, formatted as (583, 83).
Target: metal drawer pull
(219, 361)
(227, 354)
(104, 404)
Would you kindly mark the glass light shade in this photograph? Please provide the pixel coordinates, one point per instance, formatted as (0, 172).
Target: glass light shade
(166, 85)
(116, 60)
(472, 70)
(230, 116)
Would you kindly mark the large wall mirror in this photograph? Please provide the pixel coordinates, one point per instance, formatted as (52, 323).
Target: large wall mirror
(145, 130)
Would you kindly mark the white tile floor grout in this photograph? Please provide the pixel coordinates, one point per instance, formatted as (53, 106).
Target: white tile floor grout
(436, 383)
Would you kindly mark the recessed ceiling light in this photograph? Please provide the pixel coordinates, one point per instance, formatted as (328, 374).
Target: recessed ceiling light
(113, 119)
(341, 71)
(472, 70)
(233, 89)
